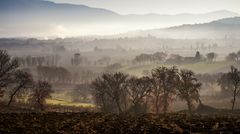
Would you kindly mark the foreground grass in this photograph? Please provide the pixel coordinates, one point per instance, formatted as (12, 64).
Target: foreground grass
(117, 123)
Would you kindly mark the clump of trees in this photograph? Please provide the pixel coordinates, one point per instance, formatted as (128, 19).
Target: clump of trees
(33, 61)
(119, 92)
(165, 81)
(158, 57)
(138, 90)
(211, 57)
(178, 59)
(188, 88)
(41, 92)
(15, 83)
(110, 92)
(233, 56)
(231, 81)
(22, 81)
(7, 69)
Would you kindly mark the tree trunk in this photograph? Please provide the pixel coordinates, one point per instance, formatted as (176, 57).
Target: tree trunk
(156, 106)
(104, 105)
(189, 104)
(10, 101)
(165, 103)
(14, 93)
(233, 102)
(234, 97)
(118, 105)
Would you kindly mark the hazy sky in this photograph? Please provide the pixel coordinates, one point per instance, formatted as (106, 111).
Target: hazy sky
(160, 6)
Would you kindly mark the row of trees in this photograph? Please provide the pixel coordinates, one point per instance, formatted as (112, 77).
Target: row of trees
(53, 74)
(119, 92)
(62, 75)
(157, 57)
(160, 57)
(32, 61)
(20, 85)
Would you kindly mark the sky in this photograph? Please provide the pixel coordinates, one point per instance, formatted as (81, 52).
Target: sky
(160, 6)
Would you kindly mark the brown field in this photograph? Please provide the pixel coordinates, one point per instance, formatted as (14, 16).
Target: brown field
(91, 123)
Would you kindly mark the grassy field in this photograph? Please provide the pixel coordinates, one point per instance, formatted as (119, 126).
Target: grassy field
(67, 103)
(201, 67)
(61, 98)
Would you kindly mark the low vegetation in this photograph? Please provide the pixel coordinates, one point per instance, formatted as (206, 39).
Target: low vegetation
(89, 123)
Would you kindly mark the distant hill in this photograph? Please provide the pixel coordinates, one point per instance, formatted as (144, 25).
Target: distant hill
(27, 11)
(44, 18)
(223, 28)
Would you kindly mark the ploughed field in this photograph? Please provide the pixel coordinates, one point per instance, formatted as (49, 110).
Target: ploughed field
(92, 123)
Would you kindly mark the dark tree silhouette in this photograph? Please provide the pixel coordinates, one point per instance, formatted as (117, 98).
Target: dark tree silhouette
(110, 92)
(188, 88)
(164, 84)
(7, 68)
(41, 92)
(211, 56)
(22, 80)
(77, 59)
(138, 89)
(197, 56)
(231, 81)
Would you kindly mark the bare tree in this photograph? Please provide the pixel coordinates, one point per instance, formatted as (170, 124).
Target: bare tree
(164, 86)
(41, 92)
(188, 87)
(138, 89)
(197, 56)
(111, 87)
(101, 98)
(7, 68)
(231, 81)
(22, 80)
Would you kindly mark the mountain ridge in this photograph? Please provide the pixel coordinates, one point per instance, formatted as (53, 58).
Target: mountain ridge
(222, 28)
(46, 18)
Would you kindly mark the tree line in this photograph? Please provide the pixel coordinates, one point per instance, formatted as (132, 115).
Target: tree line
(119, 92)
(161, 57)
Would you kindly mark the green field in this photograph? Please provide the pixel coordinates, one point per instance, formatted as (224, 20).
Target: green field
(60, 98)
(200, 67)
(67, 103)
